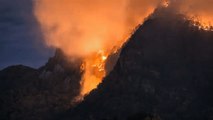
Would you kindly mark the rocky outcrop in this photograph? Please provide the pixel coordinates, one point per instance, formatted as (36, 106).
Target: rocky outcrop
(39, 94)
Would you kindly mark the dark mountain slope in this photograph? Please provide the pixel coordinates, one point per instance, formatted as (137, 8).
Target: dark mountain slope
(165, 70)
(30, 94)
(8, 75)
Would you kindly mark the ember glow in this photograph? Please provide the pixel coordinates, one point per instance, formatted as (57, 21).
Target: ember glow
(199, 11)
(93, 29)
(205, 23)
(94, 71)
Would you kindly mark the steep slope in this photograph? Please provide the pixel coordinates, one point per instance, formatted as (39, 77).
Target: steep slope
(30, 94)
(164, 71)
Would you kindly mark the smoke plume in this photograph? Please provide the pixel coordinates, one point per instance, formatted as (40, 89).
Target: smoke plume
(82, 27)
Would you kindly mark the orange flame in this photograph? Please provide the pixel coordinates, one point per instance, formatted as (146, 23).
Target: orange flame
(203, 23)
(94, 67)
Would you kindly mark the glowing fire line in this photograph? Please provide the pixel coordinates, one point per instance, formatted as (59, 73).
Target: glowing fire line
(94, 67)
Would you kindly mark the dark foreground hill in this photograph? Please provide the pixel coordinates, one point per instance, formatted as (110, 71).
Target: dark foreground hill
(39, 94)
(165, 71)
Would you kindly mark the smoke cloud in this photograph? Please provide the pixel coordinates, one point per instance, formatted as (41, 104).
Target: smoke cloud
(82, 27)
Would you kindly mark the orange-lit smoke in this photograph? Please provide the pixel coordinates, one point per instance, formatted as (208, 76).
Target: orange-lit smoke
(198, 10)
(82, 27)
(90, 29)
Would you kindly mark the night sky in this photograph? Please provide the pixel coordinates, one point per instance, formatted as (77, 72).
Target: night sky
(21, 40)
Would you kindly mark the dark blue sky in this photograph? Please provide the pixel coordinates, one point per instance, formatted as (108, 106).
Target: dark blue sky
(21, 41)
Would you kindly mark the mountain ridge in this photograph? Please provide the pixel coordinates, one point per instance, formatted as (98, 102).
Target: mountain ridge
(39, 94)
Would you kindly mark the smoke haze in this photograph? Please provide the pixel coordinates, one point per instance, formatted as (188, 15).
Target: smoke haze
(82, 27)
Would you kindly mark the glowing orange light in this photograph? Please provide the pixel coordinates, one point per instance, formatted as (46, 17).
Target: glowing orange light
(94, 68)
(165, 3)
(203, 23)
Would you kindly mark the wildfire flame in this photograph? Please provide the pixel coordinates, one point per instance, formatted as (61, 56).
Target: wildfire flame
(94, 67)
(92, 28)
(204, 23)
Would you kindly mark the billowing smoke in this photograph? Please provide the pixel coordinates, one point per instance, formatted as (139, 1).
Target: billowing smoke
(82, 27)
